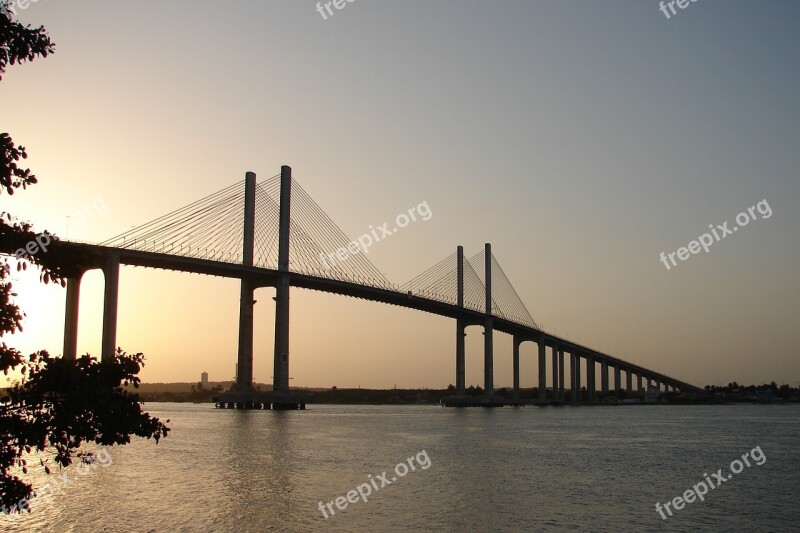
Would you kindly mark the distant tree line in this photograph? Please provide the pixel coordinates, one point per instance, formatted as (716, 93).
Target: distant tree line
(784, 392)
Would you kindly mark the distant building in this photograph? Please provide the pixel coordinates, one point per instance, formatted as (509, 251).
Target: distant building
(204, 379)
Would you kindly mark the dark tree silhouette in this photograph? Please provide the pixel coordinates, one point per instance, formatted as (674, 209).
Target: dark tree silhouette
(58, 404)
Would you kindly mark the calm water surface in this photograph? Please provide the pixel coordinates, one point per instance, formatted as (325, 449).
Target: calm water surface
(510, 469)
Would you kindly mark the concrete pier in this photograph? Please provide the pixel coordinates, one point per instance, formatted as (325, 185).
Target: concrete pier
(260, 400)
(110, 303)
(542, 370)
(554, 358)
(460, 325)
(604, 377)
(71, 317)
(488, 329)
(280, 383)
(244, 364)
(515, 364)
(573, 390)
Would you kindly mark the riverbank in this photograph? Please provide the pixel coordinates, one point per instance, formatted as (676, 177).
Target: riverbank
(188, 392)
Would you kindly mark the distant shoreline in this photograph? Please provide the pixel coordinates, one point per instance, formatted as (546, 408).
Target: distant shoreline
(196, 393)
(185, 392)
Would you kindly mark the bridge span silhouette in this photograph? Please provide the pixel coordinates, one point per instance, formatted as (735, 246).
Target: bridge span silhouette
(273, 234)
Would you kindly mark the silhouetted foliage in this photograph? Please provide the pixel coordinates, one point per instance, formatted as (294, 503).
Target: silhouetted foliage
(20, 43)
(472, 390)
(766, 392)
(59, 404)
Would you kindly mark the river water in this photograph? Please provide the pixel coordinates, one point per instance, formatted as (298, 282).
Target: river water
(509, 469)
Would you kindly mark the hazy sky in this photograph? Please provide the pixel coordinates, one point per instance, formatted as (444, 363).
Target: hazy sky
(581, 138)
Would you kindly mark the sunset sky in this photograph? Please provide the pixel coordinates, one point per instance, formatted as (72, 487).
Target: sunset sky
(582, 139)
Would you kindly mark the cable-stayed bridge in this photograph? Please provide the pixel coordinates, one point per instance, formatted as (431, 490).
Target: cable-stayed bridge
(273, 234)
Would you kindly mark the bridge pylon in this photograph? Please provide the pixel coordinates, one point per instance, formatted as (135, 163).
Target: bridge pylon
(461, 325)
(280, 374)
(488, 329)
(242, 394)
(244, 367)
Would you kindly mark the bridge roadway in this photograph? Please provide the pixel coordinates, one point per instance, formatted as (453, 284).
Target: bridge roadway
(264, 277)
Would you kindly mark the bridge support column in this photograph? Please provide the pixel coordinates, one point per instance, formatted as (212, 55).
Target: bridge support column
(280, 374)
(244, 360)
(110, 301)
(244, 364)
(591, 380)
(577, 377)
(554, 391)
(639, 382)
(488, 357)
(542, 370)
(280, 378)
(488, 328)
(560, 375)
(629, 383)
(460, 357)
(516, 342)
(604, 377)
(574, 387)
(71, 317)
(617, 380)
(460, 326)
